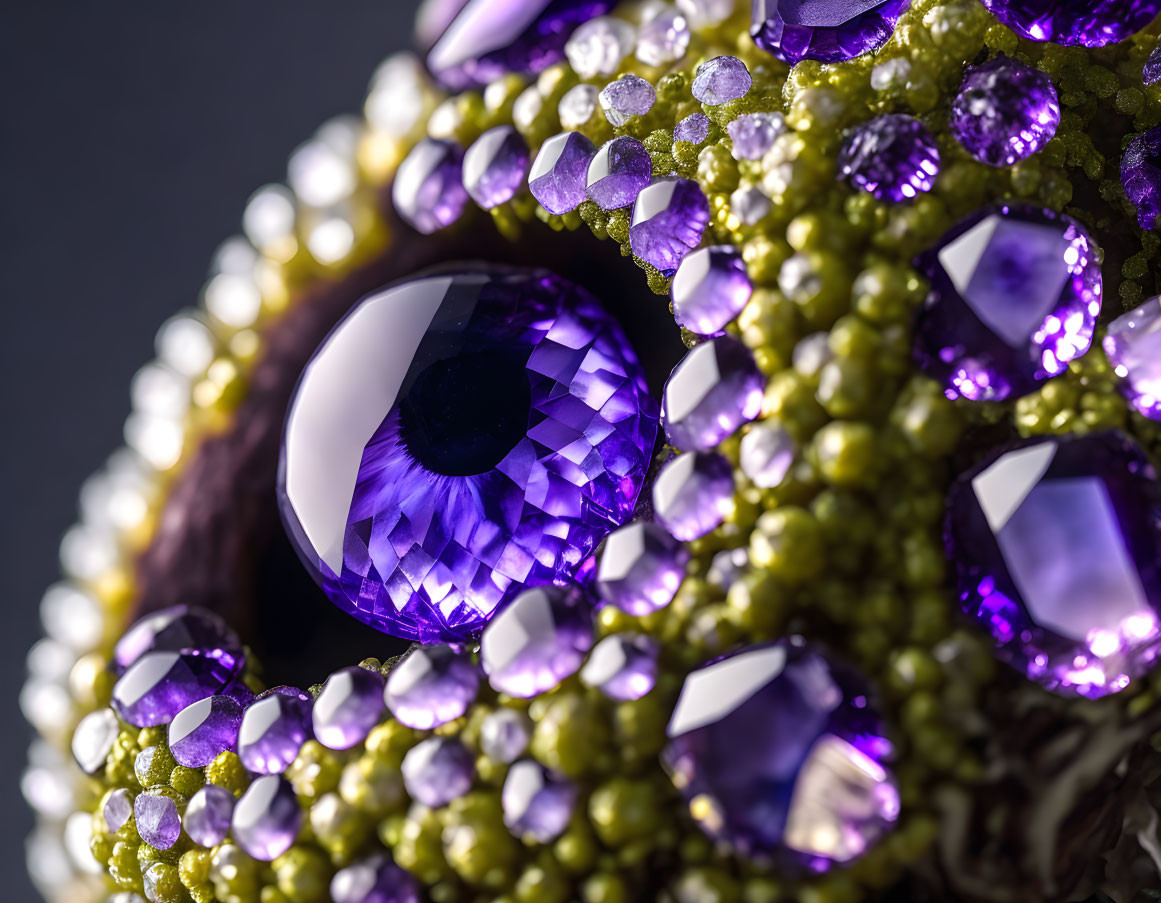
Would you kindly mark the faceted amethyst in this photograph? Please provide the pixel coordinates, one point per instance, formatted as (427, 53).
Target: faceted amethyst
(489, 38)
(93, 740)
(710, 288)
(158, 823)
(713, 390)
(1133, 345)
(1141, 175)
(428, 192)
(892, 157)
(537, 804)
(669, 219)
(1151, 73)
(537, 640)
(374, 880)
(828, 31)
(693, 493)
(780, 754)
(348, 706)
(641, 568)
(693, 128)
(1055, 544)
(207, 817)
(178, 629)
(431, 686)
(1005, 111)
(1015, 293)
(160, 684)
(458, 438)
(198, 733)
(619, 171)
(627, 97)
(273, 730)
(1088, 23)
(118, 809)
(504, 735)
(495, 166)
(437, 771)
(622, 666)
(753, 134)
(720, 80)
(267, 818)
(560, 172)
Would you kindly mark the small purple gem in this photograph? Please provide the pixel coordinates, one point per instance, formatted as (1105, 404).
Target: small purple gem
(93, 740)
(437, 771)
(710, 288)
(693, 128)
(628, 96)
(431, 686)
(160, 684)
(893, 157)
(753, 134)
(829, 31)
(348, 706)
(537, 640)
(669, 219)
(560, 172)
(374, 880)
(1141, 175)
(714, 389)
(619, 171)
(622, 666)
(1055, 544)
(504, 735)
(1087, 23)
(663, 36)
(118, 809)
(1015, 293)
(178, 629)
(693, 493)
(537, 804)
(273, 730)
(765, 454)
(641, 568)
(720, 80)
(495, 166)
(1133, 345)
(158, 823)
(1151, 74)
(207, 817)
(428, 192)
(267, 818)
(202, 730)
(1005, 111)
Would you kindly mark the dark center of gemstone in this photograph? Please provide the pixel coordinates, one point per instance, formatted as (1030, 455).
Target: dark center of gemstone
(462, 416)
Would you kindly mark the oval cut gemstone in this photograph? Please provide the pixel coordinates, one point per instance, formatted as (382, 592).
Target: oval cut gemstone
(623, 666)
(780, 753)
(204, 729)
(828, 31)
(348, 706)
(710, 288)
(431, 686)
(207, 817)
(428, 191)
(560, 172)
(267, 817)
(158, 823)
(618, 172)
(374, 880)
(715, 389)
(537, 803)
(495, 166)
(693, 493)
(1055, 544)
(1141, 176)
(669, 219)
(1005, 111)
(1088, 23)
(1133, 344)
(160, 684)
(458, 438)
(438, 770)
(641, 568)
(893, 157)
(273, 729)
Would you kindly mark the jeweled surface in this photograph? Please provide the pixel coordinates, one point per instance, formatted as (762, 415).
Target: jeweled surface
(1133, 345)
(1141, 176)
(207, 817)
(374, 880)
(693, 494)
(506, 432)
(273, 729)
(892, 157)
(156, 819)
(779, 752)
(1151, 72)
(348, 706)
(266, 818)
(428, 190)
(753, 134)
(495, 166)
(1005, 111)
(537, 803)
(766, 453)
(1089, 23)
(715, 389)
(598, 46)
(720, 80)
(559, 173)
(694, 128)
(828, 31)
(178, 629)
(641, 568)
(618, 172)
(200, 731)
(438, 770)
(1055, 544)
(578, 106)
(118, 809)
(431, 686)
(160, 684)
(93, 740)
(663, 37)
(504, 735)
(669, 219)
(1015, 293)
(623, 666)
(625, 98)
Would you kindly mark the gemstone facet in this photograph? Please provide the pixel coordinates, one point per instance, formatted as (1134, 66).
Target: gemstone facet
(178, 629)
(1088, 23)
(437, 771)
(200, 731)
(829, 31)
(720, 80)
(710, 288)
(374, 880)
(348, 706)
(537, 804)
(504, 735)
(428, 191)
(560, 172)
(694, 128)
(693, 494)
(892, 157)
(160, 684)
(207, 817)
(623, 666)
(628, 96)
(715, 389)
(669, 219)
(1141, 176)
(753, 134)
(158, 823)
(495, 166)
(273, 729)
(1005, 111)
(641, 568)
(618, 172)
(267, 818)
(1133, 344)
(431, 686)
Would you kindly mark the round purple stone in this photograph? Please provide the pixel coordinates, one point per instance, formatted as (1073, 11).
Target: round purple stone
(715, 389)
(560, 171)
(1055, 544)
(669, 219)
(1133, 345)
(267, 818)
(641, 568)
(438, 770)
(348, 706)
(273, 729)
(428, 191)
(780, 754)
(694, 128)
(374, 880)
(828, 31)
(203, 730)
(158, 823)
(118, 809)
(710, 288)
(1015, 293)
(179, 629)
(720, 80)
(892, 157)
(495, 166)
(622, 666)
(1141, 175)
(1005, 111)
(693, 494)
(431, 686)
(160, 684)
(458, 438)
(618, 172)
(1088, 23)
(207, 817)
(537, 804)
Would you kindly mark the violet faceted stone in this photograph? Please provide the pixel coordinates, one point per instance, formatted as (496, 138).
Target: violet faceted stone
(828, 31)
(428, 192)
(438, 770)
(1056, 544)
(374, 880)
(179, 629)
(1141, 176)
(710, 288)
(1005, 111)
(893, 157)
(207, 817)
(627, 97)
(118, 809)
(505, 735)
(93, 740)
(431, 686)
(160, 684)
(618, 172)
(693, 128)
(669, 219)
(1015, 293)
(720, 80)
(1087, 23)
(766, 453)
(273, 729)
(715, 389)
(559, 173)
(267, 818)
(495, 166)
(537, 804)
(1151, 73)
(537, 640)
(693, 494)
(348, 706)
(1133, 345)
(622, 666)
(754, 134)
(158, 823)
(201, 731)
(780, 753)
(458, 438)
(641, 568)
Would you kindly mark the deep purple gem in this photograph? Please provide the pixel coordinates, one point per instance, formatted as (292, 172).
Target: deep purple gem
(93, 740)
(1056, 544)
(348, 706)
(1005, 111)
(160, 684)
(693, 493)
(753, 134)
(537, 640)
(669, 219)
(428, 191)
(267, 818)
(537, 804)
(158, 823)
(489, 38)
(431, 686)
(374, 880)
(495, 166)
(1133, 344)
(1151, 73)
(1088, 23)
(720, 80)
(627, 97)
(178, 629)
(207, 817)
(693, 128)
(618, 172)
(714, 389)
(198, 733)
(641, 568)
(438, 770)
(622, 666)
(892, 157)
(273, 730)
(828, 31)
(783, 753)
(710, 288)
(458, 438)
(560, 172)
(1015, 293)
(1141, 175)
(118, 809)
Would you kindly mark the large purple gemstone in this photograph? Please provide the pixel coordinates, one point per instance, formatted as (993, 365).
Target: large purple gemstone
(160, 684)
(1141, 175)
(893, 157)
(458, 438)
(1133, 344)
(1015, 293)
(780, 753)
(1089, 23)
(267, 818)
(179, 629)
(828, 31)
(669, 219)
(1005, 111)
(1056, 544)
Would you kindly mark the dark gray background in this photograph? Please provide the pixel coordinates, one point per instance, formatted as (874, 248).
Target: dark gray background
(132, 133)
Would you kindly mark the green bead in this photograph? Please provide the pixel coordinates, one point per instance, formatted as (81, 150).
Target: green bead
(604, 887)
(372, 786)
(849, 387)
(844, 452)
(759, 602)
(623, 810)
(124, 868)
(158, 767)
(571, 736)
(716, 169)
(303, 875)
(419, 847)
(476, 842)
(913, 669)
(167, 887)
(390, 741)
(227, 771)
(315, 770)
(706, 885)
(788, 544)
(234, 874)
(576, 849)
(639, 728)
(819, 283)
(187, 781)
(194, 868)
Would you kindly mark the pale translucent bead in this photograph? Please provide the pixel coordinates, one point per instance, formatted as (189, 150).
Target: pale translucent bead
(186, 345)
(399, 95)
(269, 216)
(72, 616)
(88, 552)
(578, 106)
(598, 46)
